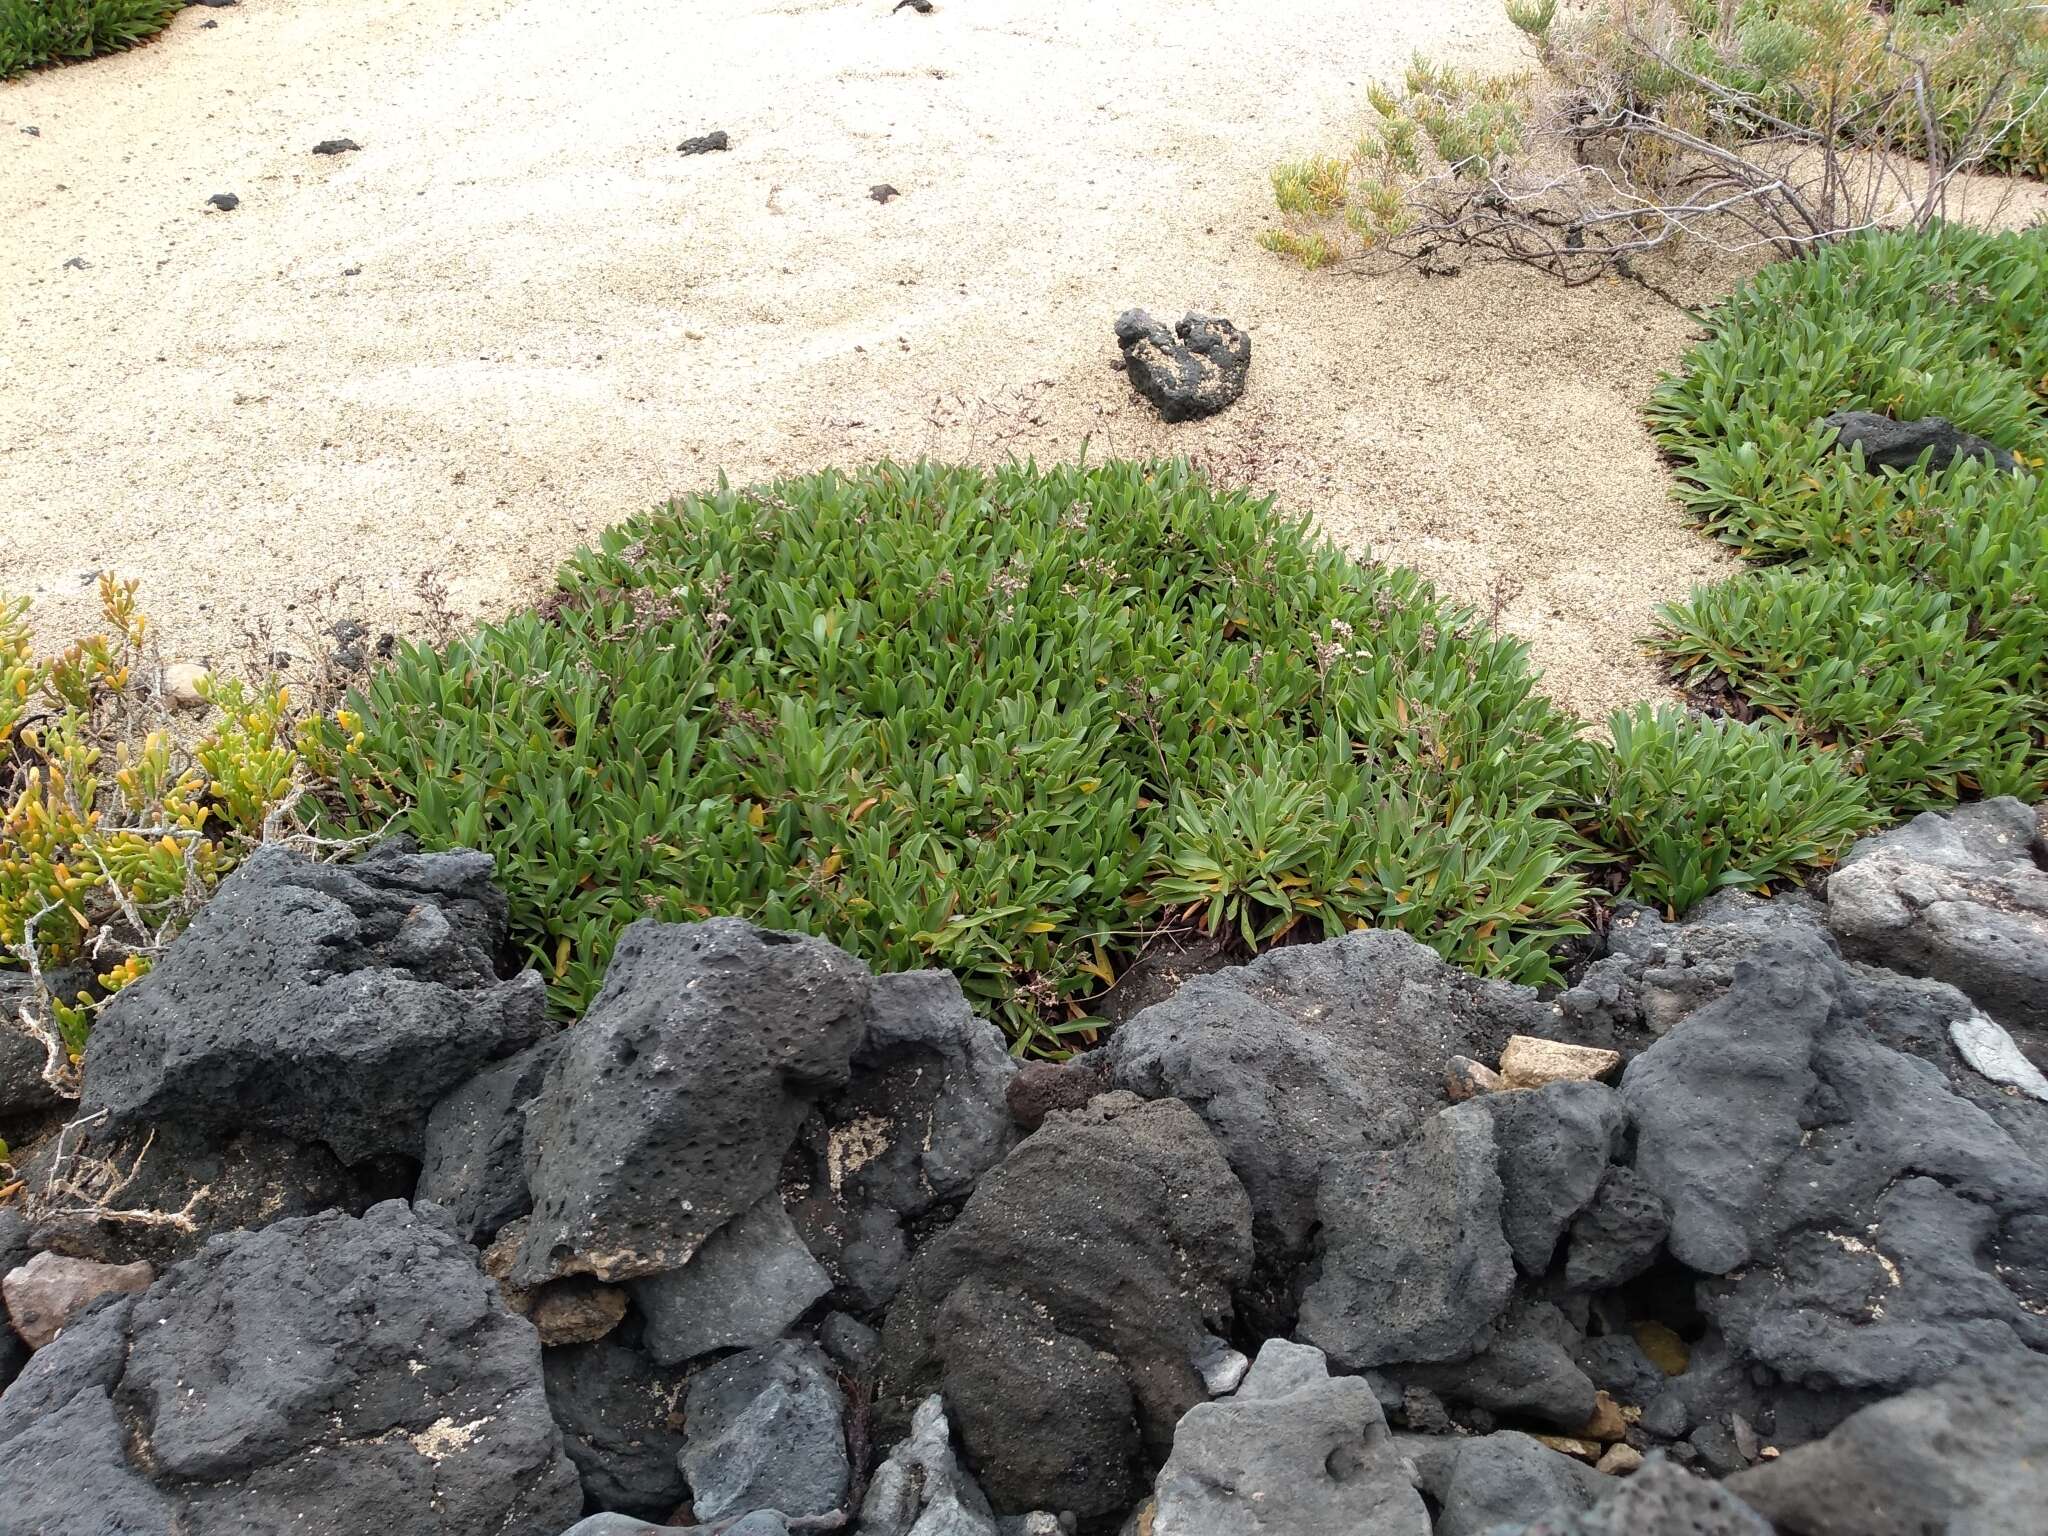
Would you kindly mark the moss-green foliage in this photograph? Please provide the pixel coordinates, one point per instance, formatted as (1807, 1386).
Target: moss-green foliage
(1802, 58)
(1906, 619)
(34, 33)
(1003, 724)
(1697, 806)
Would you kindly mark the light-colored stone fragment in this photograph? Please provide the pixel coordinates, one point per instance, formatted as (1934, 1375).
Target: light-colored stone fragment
(1990, 1051)
(1530, 1063)
(1619, 1460)
(1465, 1078)
(181, 685)
(47, 1292)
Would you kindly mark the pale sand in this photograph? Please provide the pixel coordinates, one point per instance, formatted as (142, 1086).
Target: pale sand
(559, 320)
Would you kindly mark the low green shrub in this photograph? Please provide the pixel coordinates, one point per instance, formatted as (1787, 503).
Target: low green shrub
(1906, 622)
(34, 33)
(1012, 724)
(1006, 724)
(1695, 806)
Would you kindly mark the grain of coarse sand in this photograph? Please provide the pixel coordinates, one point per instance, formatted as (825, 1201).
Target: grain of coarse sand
(517, 313)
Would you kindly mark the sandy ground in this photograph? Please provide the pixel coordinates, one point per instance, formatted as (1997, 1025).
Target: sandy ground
(518, 314)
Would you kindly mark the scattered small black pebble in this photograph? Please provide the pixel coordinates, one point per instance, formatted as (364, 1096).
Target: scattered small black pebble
(32, 131)
(351, 271)
(881, 192)
(226, 202)
(705, 143)
(922, 7)
(335, 146)
(78, 264)
(387, 646)
(209, 22)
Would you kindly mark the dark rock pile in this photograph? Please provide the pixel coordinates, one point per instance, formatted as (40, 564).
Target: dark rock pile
(1747, 1234)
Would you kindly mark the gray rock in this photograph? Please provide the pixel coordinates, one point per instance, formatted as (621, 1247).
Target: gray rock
(671, 1104)
(620, 1419)
(1616, 1365)
(930, 1079)
(1221, 1367)
(614, 1525)
(14, 1252)
(853, 1345)
(1965, 1457)
(705, 143)
(1958, 898)
(923, 1118)
(1195, 369)
(1295, 1453)
(323, 1003)
(1855, 1218)
(1742, 1060)
(1657, 973)
(1315, 1052)
(1554, 1145)
(745, 1286)
(1117, 1232)
(921, 1486)
(226, 202)
(215, 1183)
(1991, 1052)
(1987, 834)
(1658, 1500)
(336, 147)
(1897, 1304)
(354, 1376)
(474, 1163)
(1414, 1266)
(863, 1248)
(1489, 1480)
(1618, 1235)
(24, 1090)
(766, 1430)
(1889, 444)
(1527, 1371)
(1044, 1417)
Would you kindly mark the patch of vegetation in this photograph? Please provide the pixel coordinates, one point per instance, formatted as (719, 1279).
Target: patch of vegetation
(112, 832)
(1903, 619)
(1456, 124)
(1012, 724)
(35, 33)
(1744, 124)
(1697, 806)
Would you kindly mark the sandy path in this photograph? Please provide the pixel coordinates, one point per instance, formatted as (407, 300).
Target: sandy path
(518, 313)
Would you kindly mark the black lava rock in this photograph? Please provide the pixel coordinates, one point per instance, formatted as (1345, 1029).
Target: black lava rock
(226, 202)
(1889, 444)
(1195, 369)
(705, 143)
(621, 1419)
(672, 1104)
(332, 1004)
(359, 1377)
(336, 147)
(1094, 1261)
